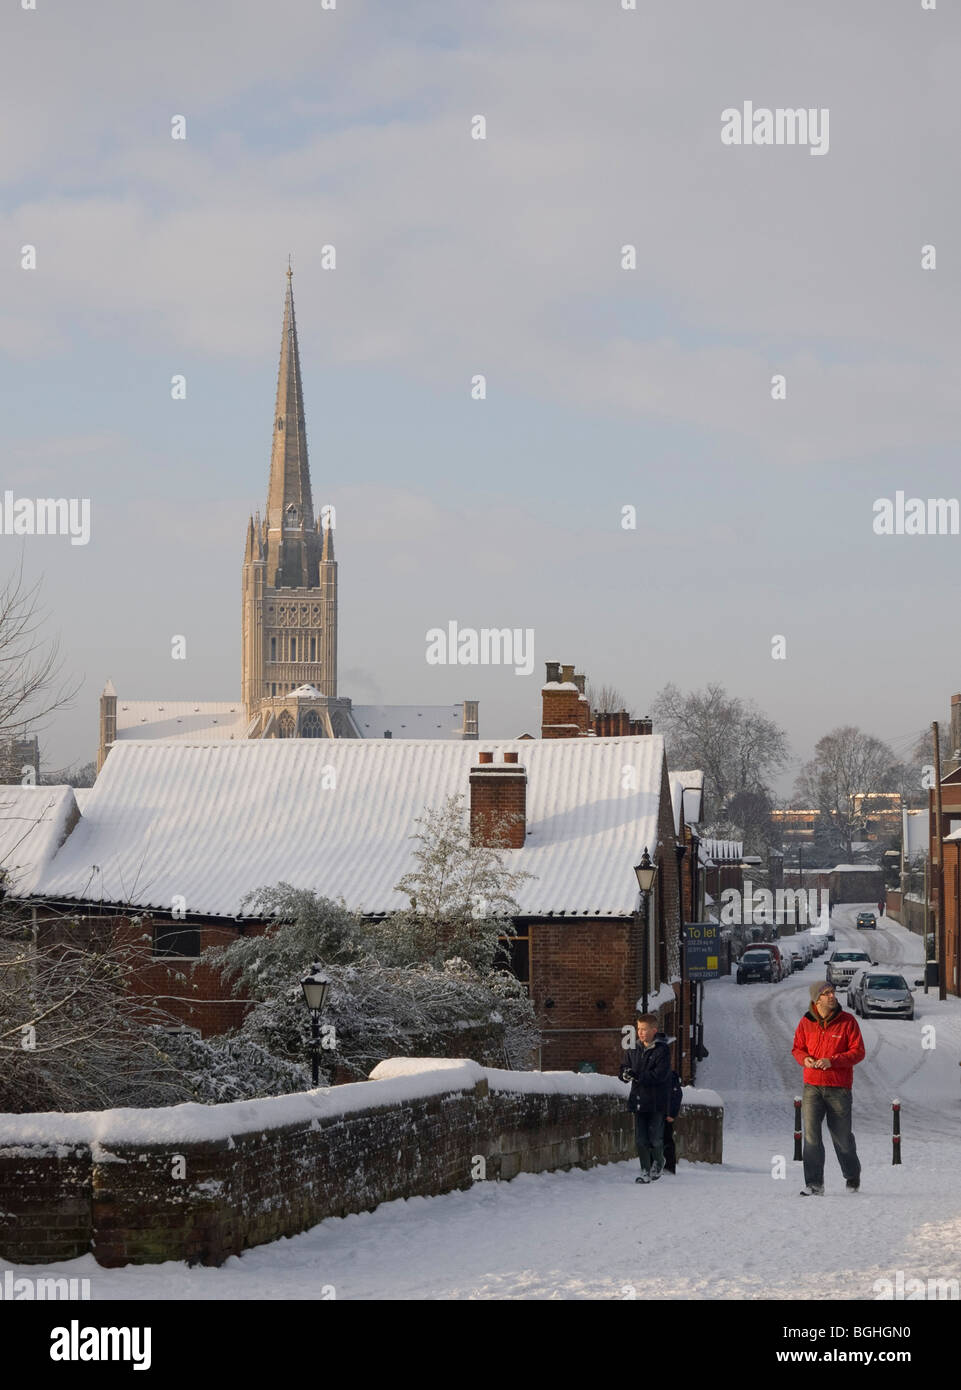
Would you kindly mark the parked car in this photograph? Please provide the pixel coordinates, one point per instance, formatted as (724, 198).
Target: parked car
(819, 940)
(878, 993)
(782, 962)
(796, 951)
(843, 965)
(755, 965)
(866, 920)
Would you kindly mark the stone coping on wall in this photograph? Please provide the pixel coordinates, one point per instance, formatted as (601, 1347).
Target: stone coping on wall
(201, 1183)
(392, 1082)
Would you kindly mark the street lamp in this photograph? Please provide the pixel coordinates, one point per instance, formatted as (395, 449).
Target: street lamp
(316, 987)
(646, 873)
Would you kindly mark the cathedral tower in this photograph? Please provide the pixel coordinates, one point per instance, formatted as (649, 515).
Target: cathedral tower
(290, 580)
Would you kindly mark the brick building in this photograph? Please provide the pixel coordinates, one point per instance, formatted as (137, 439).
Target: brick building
(180, 833)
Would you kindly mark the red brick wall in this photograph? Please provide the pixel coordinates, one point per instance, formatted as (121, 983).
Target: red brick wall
(580, 962)
(952, 917)
(561, 716)
(199, 998)
(498, 804)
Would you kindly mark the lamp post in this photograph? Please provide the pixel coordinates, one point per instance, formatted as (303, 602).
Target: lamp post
(680, 850)
(316, 987)
(646, 873)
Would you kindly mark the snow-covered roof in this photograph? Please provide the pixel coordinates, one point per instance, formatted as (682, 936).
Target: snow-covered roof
(80, 795)
(916, 833)
(180, 721)
(724, 850)
(213, 822)
(409, 721)
(681, 787)
(33, 824)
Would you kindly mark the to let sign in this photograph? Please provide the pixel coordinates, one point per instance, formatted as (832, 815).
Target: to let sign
(703, 950)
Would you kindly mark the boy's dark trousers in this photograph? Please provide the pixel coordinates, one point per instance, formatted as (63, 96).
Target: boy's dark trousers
(649, 1137)
(670, 1153)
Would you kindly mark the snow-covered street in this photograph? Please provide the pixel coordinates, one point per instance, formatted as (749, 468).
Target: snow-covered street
(734, 1231)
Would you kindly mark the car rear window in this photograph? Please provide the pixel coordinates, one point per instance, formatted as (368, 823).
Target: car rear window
(884, 982)
(756, 957)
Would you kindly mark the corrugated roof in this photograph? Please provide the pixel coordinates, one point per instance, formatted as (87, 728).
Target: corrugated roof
(180, 721)
(409, 721)
(681, 785)
(723, 850)
(33, 823)
(213, 822)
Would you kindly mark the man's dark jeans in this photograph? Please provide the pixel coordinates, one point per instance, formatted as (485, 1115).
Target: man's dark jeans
(649, 1137)
(835, 1103)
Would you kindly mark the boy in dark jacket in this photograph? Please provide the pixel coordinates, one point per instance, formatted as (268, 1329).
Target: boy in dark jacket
(648, 1068)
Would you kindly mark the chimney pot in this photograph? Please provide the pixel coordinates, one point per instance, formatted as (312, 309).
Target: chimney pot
(567, 674)
(553, 671)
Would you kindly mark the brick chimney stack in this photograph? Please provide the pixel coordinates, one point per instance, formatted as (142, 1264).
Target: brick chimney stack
(498, 801)
(584, 708)
(561, 704)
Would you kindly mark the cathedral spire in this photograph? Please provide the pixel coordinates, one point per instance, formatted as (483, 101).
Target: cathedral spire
(289, 503)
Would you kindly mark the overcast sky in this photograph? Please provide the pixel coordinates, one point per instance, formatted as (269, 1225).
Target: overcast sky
(605, 387)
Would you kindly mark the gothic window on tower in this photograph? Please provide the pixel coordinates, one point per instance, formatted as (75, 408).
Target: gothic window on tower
(273, 651)
(293, 648)
(312, 727)
(313, 648)
(286, 725)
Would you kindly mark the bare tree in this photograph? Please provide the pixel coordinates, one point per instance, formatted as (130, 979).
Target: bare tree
(31, 667)
(732, 741)
(75, 1034)
(848, 768)
(604, 699)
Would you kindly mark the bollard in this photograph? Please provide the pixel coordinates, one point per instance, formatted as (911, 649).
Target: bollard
(797, 1129)
(896, 1132)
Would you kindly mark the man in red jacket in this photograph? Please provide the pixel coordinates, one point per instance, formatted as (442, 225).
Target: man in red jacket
(828, 1045)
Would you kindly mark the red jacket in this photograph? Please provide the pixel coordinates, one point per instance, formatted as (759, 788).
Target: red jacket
(838, 1038)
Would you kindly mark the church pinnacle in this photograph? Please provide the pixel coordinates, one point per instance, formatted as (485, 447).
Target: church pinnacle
(290, 508)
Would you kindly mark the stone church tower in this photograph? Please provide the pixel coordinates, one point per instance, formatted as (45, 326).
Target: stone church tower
(289, 622)
(289, 663)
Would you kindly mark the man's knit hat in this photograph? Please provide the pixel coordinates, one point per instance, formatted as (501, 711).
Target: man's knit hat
(818, 988)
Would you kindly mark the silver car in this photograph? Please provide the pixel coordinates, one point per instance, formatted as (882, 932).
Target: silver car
(880, 993)
(843, 965)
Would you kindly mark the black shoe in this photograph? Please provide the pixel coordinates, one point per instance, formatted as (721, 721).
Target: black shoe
(853, 1184)
(812, 1190)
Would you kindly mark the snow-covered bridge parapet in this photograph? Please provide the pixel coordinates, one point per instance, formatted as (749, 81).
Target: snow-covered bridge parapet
(202, 1182)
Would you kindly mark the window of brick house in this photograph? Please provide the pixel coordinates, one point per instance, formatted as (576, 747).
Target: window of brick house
(174, 939)
(517, 949)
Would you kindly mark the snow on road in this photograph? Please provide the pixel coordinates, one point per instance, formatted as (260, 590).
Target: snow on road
(733, 1231)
